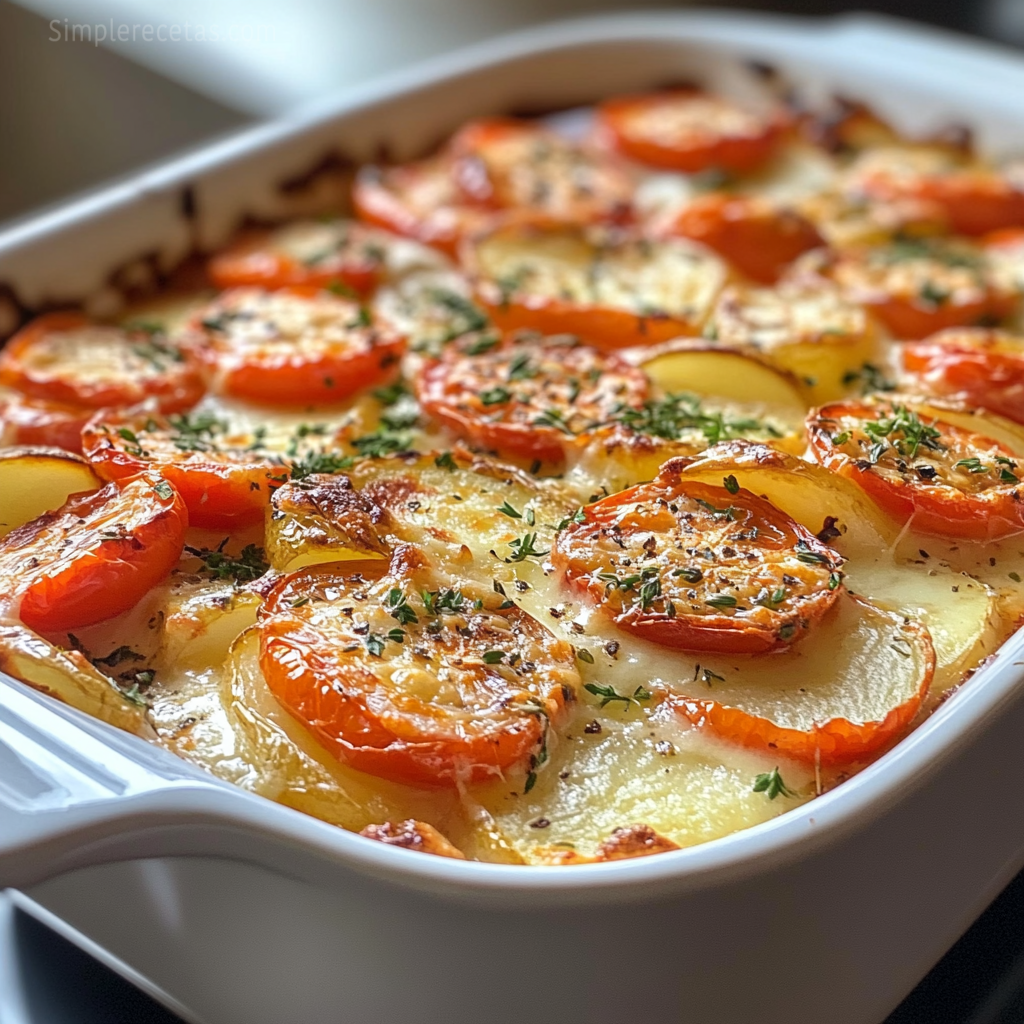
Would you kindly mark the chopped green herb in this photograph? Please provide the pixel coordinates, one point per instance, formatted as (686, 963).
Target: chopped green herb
(609, 694)
(728, 514)
(116, 656)
(521, 368)
(381, 443)
(446, 461)
(480, 345)
(772, 600)
(579, 516)
(771, 784)
(250, 564)
(524, 547)
(905, 430)
(672, 416)
(805, 554)
(870, 378)
(399, 608)
(691, 575)
(375, 643)
(554, 418)
(495, 396)
(318, 462)
(390, 394)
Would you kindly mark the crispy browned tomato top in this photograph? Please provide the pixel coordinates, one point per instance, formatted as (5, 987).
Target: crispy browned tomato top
(699, 567)
(411, 679)
(507, 164)
(527, 394)
(954, 482)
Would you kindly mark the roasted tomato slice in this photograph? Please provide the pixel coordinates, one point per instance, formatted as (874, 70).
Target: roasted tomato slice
(509, 164)
(919, 286)
(299, 346)
(949, 480)
(69, 359)
(982, 367)
(756, 236)
(420, 201)
(527, 395)
(96, 556)
(976, 198)
(407, 678)
(698, 567)
(332, 252)
(613, 290)
(222, 480)
(688, 130)
(34, 421)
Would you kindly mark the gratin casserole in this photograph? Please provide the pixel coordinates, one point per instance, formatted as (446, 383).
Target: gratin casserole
(587, 494)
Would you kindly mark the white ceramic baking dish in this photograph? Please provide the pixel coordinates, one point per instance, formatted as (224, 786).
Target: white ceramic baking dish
(237, 909)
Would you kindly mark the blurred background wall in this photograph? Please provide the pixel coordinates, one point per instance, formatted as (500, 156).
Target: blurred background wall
(78, 105)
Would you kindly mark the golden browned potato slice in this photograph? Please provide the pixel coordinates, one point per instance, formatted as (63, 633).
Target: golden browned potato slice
(323, 519)
(804, 327)
(69, 677)
(38, 480)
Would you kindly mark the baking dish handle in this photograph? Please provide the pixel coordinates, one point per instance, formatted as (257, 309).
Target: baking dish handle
(75, 791)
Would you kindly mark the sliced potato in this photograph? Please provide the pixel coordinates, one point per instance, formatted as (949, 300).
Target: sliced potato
(200, 619)
(844, 221)
(455, 513)
(846, 691)
(613, 459)
(322, 519)
(38, 480)
(808, 329)
(430, 307)
(69, 677)
(961, 614)
(704, 369)
(806, 491)
(655, 769)
(290, 766)
(978, 421)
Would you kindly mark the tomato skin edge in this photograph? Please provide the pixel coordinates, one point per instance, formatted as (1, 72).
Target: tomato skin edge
(989, 380)
(714, 634)
(910, 321)
(292, 675)
(835, 742)
(738, 154)
(969, 519)
(110, 589)
(604, 328)
(179, 391)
